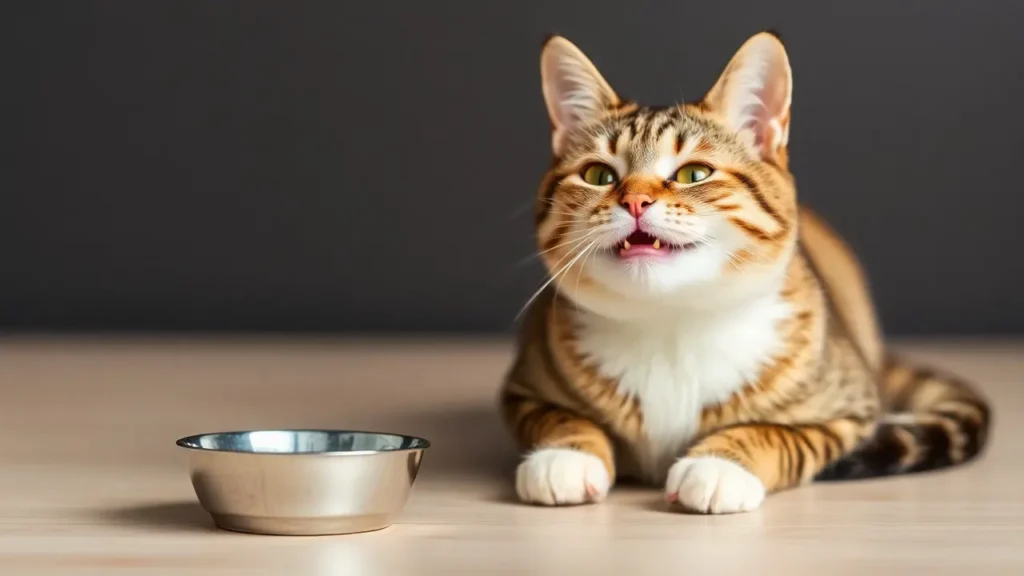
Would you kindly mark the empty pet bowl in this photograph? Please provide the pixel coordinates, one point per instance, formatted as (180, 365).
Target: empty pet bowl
(303, 482)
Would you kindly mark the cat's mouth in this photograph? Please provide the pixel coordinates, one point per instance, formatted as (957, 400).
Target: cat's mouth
(641, 244)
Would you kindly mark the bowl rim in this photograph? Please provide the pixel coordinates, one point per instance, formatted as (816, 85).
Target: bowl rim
(183, 442)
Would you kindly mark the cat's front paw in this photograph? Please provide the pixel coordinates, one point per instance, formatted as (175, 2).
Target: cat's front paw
(561, 477)
(711, 485)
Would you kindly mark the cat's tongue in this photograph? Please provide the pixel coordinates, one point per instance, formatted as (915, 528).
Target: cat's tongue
(642, 244)
(635, 251)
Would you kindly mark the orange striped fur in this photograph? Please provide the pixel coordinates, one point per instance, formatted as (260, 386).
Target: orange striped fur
(730, 349)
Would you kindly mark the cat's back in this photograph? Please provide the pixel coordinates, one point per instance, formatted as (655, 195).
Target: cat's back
(844, 280)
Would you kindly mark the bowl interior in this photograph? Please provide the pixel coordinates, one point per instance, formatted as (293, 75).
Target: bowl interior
(302, 442)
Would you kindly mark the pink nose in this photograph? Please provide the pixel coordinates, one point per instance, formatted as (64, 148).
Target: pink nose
(637, 204)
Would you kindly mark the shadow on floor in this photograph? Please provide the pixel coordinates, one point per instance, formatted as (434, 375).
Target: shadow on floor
(466, 441)
(177, 516)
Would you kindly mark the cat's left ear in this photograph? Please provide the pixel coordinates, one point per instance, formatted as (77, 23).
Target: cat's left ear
(575, 92)
(754, 94)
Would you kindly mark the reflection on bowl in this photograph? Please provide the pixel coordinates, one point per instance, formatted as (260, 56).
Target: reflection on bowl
(303, 482)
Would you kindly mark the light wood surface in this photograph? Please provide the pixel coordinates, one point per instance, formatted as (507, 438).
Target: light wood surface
(91, 483)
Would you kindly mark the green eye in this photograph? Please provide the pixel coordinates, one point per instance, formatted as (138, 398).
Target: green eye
(599, 175)
(693, 173)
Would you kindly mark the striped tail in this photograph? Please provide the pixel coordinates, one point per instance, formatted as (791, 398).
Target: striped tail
(932, 421)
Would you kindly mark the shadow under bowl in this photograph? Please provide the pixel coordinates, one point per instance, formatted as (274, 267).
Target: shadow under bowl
(303, 482)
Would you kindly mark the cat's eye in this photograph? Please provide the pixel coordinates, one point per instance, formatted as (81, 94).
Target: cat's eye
(692, 173)
(598, 174)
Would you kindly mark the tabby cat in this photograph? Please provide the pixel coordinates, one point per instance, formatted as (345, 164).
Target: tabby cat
(700, 330)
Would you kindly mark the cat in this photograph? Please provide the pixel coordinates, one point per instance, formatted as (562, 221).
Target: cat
(701, 330)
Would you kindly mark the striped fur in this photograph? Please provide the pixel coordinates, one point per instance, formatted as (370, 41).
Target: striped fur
(745, 359)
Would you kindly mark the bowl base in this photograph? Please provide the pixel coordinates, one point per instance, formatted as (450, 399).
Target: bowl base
(302, 526)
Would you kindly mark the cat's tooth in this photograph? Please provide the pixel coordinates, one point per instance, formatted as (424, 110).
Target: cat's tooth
(625, 244)
(657, 244)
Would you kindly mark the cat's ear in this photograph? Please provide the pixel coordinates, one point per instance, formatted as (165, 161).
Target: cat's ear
(575, 92)
(754, 94)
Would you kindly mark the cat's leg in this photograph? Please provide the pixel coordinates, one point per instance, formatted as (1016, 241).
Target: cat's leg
(569, 459)
(733, 469)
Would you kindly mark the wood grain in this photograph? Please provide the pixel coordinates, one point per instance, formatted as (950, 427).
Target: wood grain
(91, 483)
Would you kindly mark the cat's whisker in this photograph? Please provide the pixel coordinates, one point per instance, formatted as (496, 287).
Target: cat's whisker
(552, 278)
(520, 210)
(573, 215)
(575, 259)
(545, 285)
(568, 224)
(573, 241)
(735, 256)
(579, 273)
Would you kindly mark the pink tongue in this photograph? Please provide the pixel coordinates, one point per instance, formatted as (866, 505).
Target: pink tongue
(641, 250)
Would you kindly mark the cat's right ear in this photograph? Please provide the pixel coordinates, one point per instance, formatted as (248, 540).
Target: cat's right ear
(575, 92)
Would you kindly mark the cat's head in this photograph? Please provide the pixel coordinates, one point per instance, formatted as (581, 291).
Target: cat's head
(691, 205)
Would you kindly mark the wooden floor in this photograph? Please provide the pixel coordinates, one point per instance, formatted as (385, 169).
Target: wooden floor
(91, 482)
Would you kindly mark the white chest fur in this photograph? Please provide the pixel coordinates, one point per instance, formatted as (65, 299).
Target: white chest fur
(676, 366)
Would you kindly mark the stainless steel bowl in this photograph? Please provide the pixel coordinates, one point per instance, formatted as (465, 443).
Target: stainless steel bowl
(303, 482)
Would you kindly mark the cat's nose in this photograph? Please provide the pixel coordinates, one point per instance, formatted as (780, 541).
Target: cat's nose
(636, 204)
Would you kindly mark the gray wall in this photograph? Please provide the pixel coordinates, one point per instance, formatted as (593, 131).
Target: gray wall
(370, 165)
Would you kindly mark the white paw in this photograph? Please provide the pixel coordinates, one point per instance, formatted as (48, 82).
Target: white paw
(711, 485)
(561, 476)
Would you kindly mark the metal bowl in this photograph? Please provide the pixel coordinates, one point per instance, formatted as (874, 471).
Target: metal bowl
(303, 482)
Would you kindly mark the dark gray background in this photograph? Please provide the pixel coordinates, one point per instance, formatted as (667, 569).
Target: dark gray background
(369, 166)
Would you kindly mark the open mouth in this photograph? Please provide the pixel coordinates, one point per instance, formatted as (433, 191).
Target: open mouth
(641, 243)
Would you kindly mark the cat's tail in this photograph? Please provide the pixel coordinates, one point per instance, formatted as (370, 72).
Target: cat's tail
(932, 421)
